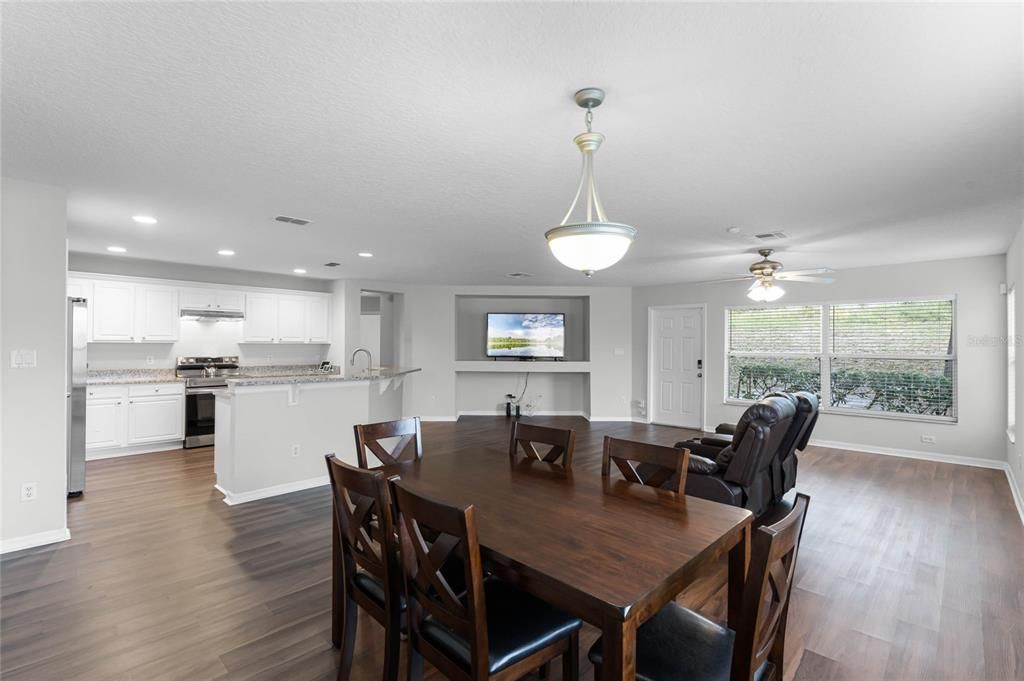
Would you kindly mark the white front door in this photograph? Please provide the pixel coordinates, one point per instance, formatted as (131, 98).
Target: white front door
(677, 361)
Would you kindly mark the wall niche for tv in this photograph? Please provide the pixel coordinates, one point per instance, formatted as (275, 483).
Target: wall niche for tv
(471, 323)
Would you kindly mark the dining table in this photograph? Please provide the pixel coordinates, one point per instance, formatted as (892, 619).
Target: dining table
(608, 551)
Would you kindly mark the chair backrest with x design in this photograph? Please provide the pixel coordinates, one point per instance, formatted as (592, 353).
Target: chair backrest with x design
(362, 507)
(762, 634)
(432, 532)
(369, 436)
(525, 438)
(645, 463)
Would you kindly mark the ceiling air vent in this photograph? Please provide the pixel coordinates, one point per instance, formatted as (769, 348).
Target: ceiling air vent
(518, 275)
(332, 264)
(769, 236)
(291, 220)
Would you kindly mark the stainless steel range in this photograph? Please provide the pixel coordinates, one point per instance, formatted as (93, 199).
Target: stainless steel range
(204, 378)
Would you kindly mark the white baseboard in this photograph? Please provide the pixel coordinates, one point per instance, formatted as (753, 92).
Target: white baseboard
(235, 498)
(614, 419)
(937, 457)
(33, 540)
(116, 452)
(1016, 492)
(501, 412)
(439, 419)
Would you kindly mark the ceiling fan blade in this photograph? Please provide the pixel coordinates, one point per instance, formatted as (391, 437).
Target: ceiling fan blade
(820, 270)
(804, 278)
(722, 281)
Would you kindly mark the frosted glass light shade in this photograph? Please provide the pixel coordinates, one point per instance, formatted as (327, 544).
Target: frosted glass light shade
(589, 247)
(766, 292)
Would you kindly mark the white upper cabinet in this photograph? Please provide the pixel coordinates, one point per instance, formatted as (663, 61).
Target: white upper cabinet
(260, 324)
(156, 314)
(113, 311)
(79, 288)
(126, 312)
(291, 319)
(318, 320)
(137, 311)
(212, 299)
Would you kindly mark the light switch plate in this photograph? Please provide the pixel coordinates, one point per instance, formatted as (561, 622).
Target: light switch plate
(23, 359)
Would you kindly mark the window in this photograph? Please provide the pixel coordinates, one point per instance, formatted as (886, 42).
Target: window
(775, 348)
(891, 358)
(1011, 365)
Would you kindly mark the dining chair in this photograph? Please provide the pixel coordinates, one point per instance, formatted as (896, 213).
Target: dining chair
(369, 561)
(645, 463)
(492, 631)
(526, 436)
(369, 436)
(678, 643)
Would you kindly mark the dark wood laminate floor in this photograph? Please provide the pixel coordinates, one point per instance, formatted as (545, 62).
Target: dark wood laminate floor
(909, 570)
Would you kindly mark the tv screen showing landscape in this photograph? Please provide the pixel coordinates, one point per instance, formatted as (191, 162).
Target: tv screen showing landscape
(525, 335)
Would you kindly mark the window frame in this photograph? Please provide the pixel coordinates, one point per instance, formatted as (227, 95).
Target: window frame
(1011, 364)
(826, 356)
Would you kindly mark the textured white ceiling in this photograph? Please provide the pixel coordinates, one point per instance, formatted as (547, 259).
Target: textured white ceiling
(440, 136)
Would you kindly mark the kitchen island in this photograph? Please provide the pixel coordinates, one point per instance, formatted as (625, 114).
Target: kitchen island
(274, 430)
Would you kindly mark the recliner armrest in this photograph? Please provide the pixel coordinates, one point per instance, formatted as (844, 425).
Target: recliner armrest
(718, 440)
(726, 428)
(701, 465)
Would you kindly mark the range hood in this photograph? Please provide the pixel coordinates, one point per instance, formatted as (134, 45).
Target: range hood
(204, 314)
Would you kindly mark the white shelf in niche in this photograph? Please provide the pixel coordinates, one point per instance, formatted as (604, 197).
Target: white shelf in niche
(510, 367)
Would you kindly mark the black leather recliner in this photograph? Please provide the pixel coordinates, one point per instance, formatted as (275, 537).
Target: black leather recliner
(745, 473)
(779, 468)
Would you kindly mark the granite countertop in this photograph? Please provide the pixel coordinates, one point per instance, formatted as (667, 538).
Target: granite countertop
(311, 377)
(132, 376)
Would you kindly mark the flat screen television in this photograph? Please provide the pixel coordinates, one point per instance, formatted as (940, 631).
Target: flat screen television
(526, 336)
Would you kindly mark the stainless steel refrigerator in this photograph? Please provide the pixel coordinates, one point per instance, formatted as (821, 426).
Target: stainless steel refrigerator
(78, 316)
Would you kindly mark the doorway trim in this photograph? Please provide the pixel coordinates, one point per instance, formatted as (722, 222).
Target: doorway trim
(651, 309)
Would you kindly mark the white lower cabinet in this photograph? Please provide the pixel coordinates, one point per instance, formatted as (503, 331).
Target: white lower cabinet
(103, 423)
(155, 419)
(127, 416)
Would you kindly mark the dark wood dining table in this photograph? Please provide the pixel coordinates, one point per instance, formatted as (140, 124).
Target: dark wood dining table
(610, 552)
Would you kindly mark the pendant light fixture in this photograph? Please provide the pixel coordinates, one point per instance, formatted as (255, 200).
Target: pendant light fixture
(765, 291)
(586, 240)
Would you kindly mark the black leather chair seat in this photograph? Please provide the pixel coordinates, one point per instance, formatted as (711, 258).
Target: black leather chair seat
(372, 587)
(518, 625)
(679, 645)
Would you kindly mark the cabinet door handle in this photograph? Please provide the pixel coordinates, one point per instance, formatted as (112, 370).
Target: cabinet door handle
(129, 402)
(119, 403)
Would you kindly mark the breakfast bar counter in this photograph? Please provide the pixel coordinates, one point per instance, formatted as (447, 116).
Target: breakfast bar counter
(274, 430)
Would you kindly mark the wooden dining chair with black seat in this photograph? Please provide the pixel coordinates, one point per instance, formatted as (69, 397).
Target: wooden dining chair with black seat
(369, 436)
(526, 436)
(645, 463)
(371, 575)
(492, 631)
(677, 643)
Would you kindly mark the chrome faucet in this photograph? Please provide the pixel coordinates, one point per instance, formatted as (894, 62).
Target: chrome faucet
(369, 358)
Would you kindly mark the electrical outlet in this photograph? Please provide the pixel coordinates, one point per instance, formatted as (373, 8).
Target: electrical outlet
(29, 491)
(150, 360)
(928, 439)
(295, 451)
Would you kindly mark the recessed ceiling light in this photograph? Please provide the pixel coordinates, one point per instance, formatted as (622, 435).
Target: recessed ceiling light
(117, 249)
(299, 270)
(225, 251)
(144, 219)
(364, 254)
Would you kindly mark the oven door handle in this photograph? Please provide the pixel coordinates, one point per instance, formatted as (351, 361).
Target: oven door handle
(204, 391)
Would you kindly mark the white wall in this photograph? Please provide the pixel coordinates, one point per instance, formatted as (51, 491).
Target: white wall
(1015, 278)
(427, 338)
(981, 314)
(33, 244)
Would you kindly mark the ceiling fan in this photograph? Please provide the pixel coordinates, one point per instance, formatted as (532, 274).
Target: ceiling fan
(765, 273)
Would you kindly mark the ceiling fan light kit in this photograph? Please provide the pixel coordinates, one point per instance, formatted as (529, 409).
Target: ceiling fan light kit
(585, 240)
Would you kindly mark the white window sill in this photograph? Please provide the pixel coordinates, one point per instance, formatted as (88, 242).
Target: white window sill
(864, 414)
